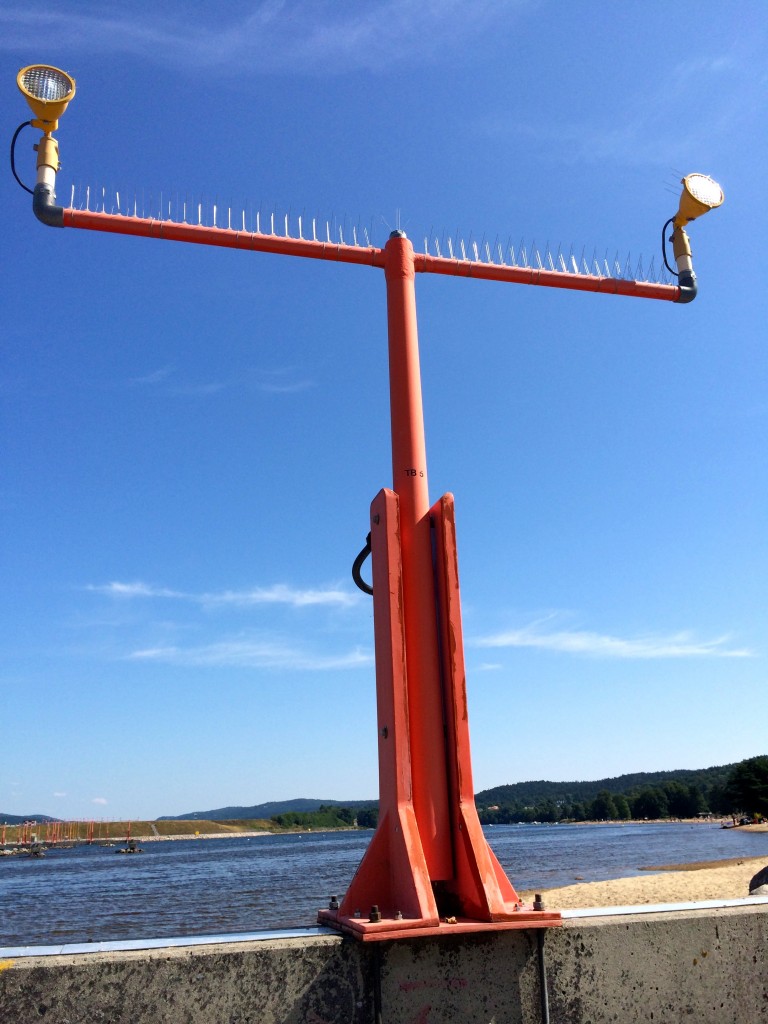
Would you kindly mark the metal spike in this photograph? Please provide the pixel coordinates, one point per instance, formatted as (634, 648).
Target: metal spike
(450, 246)
(354, 235)
(474, 249)
(463, 250)
(367, 237)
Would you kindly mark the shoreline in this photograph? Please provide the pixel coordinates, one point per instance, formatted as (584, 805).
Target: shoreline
(668, 883)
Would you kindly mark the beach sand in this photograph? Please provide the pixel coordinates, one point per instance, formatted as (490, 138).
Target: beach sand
(682, 883)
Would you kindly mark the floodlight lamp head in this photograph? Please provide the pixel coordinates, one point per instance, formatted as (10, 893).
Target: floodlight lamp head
(48, 91)
(700, 195)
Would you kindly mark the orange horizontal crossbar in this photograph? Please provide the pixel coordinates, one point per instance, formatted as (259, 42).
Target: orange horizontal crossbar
(251, 241)
(426, 264)
(147, 227)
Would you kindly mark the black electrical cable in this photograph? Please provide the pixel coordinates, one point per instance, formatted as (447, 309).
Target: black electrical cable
(357, 566)
(24, 124)
(674, 273)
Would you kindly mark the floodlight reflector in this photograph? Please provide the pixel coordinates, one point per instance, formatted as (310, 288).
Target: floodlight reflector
(703, 188)
(47, 90)
(700, 195)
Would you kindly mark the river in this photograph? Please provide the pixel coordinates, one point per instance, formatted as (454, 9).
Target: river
(216, 886)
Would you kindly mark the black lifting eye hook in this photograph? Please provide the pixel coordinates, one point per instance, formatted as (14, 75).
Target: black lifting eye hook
(358, 564)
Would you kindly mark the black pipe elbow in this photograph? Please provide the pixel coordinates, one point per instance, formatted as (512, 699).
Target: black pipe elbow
(687, 283)
(44, 207)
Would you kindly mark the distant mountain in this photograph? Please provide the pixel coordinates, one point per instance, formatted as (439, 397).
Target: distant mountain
(19, 819)
(264, 810)
(520, 793)
(567, 792)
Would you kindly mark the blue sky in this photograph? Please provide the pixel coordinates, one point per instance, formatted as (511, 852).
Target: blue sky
(191, 437)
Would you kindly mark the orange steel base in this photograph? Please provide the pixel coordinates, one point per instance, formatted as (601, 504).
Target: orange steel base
(394, 876)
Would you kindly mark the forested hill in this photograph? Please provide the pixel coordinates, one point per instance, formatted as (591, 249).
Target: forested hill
(267, 810)
(517, 795)
(531, 793)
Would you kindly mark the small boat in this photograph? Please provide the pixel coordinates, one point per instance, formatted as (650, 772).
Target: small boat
(130, 847)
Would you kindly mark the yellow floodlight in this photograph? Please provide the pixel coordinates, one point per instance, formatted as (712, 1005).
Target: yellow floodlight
(700, 195)
(47, 90)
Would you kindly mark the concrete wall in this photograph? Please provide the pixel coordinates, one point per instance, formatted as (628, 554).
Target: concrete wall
(666, 968)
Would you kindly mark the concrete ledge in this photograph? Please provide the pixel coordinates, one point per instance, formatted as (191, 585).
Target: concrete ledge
(291, 980)
(699, 965)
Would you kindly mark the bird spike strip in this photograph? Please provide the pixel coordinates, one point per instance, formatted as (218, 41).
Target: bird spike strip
(338, 238)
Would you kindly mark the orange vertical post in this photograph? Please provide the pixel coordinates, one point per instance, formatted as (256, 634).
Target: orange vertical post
(428, 867)
(409, 476)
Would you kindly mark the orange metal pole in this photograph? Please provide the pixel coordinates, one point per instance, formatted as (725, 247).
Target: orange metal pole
(409, 471)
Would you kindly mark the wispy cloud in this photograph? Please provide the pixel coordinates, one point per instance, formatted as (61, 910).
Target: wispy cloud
(99, 800)
(277, 594)
(278, 380)
(249, 653)
(166, 381)
(132, 590)
(152, 378)
(163, 381)
(645, 133)
(602, 645)
(314, 36)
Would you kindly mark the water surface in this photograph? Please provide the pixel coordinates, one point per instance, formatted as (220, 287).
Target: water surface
(215, 886)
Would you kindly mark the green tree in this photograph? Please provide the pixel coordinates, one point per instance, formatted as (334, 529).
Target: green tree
(603, 807)
(747, 786)
(683, 801)
(621, 803)
(578, 811)
(368, 817)
(650, 802)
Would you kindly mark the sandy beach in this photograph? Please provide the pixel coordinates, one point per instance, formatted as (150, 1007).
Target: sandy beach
(684, 883)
